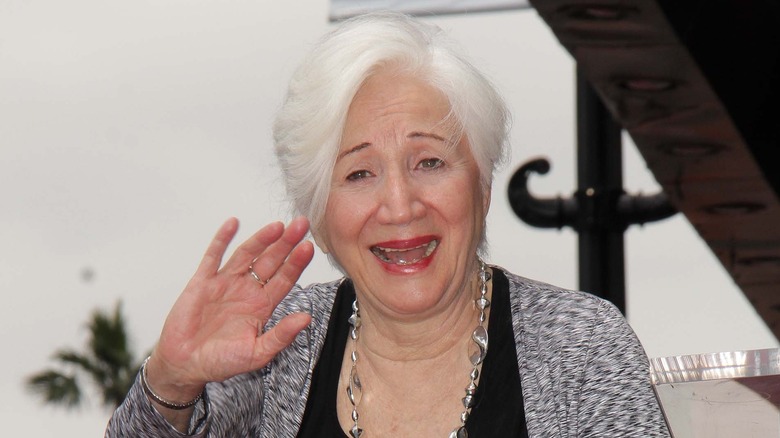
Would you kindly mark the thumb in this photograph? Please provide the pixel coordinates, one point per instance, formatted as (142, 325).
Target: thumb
(270, 343)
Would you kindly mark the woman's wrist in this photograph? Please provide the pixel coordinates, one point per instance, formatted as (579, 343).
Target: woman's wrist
(168, 395)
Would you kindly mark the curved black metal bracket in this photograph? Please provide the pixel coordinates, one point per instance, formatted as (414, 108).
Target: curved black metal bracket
(539, 212)
(587, 209)
(641, 209)
(600, 210)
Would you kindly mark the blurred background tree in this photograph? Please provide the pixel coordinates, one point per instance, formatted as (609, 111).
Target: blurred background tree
(107, 365)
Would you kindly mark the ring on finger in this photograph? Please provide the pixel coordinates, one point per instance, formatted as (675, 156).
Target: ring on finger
(255, 276)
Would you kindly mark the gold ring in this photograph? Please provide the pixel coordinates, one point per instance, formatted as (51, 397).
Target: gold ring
(255, 276)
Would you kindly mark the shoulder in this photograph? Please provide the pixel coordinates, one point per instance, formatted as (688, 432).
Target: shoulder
(548, 318)
(572, 345)
(544, 302)
(315, 299)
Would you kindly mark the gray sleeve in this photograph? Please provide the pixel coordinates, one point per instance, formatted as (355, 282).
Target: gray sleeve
(136, 417)
(233, 408)
(616, 398)
(229, 409)
(583, 370)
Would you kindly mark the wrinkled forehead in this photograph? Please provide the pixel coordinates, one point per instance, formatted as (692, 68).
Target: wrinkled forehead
(389, 98)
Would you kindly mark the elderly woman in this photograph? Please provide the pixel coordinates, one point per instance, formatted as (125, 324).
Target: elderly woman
(388, 141)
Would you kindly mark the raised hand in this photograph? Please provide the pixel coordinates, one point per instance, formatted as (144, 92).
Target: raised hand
(214, 330)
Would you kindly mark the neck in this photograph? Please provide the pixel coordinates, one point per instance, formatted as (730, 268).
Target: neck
(399, 366)
(422, 339)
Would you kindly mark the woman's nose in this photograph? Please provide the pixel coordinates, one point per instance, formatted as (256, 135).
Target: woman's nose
(400, 201)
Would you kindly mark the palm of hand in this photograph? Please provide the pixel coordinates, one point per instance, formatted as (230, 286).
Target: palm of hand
(214, 330)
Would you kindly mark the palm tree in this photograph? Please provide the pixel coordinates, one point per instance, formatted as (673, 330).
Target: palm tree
(107, 362)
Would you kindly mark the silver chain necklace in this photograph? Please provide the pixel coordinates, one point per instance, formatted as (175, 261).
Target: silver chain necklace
(476, 355)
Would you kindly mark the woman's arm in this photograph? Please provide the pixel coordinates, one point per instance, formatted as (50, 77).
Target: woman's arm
(214, 330)
(137, 417)
(616, 398)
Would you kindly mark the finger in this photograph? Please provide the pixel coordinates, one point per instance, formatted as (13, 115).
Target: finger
(270, 343)
(270, 258)
(289, 273)
(257, 243)
(212, 258)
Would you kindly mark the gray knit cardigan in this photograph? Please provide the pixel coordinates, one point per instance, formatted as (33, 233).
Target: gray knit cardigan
(582, 369)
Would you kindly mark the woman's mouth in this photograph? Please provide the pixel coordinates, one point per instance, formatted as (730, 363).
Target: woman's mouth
(405, 256)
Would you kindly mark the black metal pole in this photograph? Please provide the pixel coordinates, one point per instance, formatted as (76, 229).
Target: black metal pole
(600, 187)
(600, 211)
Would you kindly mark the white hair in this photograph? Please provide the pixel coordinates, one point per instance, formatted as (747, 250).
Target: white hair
(309, 125)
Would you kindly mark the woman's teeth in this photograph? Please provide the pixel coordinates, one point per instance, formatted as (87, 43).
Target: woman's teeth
(405, 256)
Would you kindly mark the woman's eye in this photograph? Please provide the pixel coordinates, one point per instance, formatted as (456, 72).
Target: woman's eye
(431, 163)
(358, 175)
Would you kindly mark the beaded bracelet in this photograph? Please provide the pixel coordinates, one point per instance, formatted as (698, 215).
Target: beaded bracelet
(163, 402)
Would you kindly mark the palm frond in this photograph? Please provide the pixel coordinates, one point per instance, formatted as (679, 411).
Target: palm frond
(108, 338)
(107, 363)
(56, 388)
(71, 357)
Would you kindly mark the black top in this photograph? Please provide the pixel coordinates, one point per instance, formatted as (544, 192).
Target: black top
(498, 411)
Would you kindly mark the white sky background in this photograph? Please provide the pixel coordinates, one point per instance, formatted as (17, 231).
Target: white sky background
(130, 130)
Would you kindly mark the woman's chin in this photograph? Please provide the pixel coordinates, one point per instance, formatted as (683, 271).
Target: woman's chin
(406, 294)
(410, 305)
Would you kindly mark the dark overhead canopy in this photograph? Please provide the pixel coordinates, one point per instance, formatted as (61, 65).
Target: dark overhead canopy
(695, 83)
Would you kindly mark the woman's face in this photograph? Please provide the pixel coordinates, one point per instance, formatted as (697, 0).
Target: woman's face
(406, 208)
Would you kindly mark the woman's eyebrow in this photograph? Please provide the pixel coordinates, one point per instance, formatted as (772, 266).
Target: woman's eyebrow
(352, 150)
(414, 134)
(427, 135)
